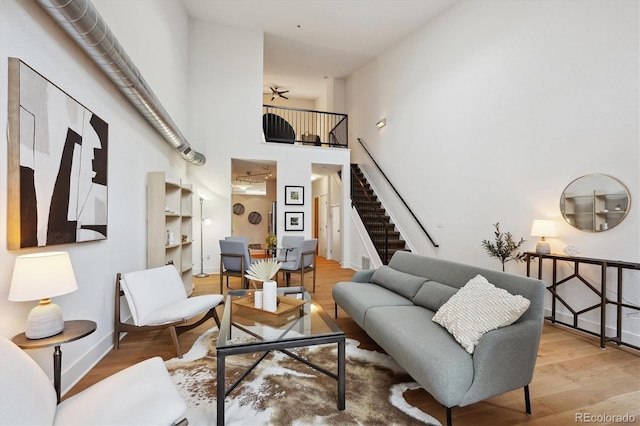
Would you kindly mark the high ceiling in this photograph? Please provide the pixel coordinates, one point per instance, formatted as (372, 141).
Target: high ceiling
(306, 41)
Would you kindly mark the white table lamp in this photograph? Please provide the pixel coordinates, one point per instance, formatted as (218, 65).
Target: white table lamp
(543, 228)
(39, 277)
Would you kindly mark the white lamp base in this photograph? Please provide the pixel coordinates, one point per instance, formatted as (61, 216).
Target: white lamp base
(44, 320)
(543, 247)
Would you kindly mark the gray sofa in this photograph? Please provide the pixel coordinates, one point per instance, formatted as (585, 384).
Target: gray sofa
(395, 305)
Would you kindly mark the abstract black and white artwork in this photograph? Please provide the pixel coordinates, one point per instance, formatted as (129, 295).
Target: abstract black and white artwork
(58, 164)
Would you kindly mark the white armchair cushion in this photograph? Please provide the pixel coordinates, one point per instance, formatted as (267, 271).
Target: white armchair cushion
(142, 394)
(27, 397)
(187, 308)
(151, 289)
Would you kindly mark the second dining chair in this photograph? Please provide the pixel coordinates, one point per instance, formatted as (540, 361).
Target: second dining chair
(303, 262)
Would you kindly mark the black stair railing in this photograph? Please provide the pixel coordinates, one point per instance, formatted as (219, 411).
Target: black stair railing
(371, 215)
(426, 233)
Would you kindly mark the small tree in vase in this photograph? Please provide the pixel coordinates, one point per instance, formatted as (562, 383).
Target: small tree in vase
(503, 247)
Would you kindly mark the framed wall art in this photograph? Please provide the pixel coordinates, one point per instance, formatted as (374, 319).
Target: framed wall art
(294, 195)
(57, 160)
(294, 221)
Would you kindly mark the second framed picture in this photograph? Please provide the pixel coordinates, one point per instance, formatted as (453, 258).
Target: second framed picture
(294, 221)
(294, 195)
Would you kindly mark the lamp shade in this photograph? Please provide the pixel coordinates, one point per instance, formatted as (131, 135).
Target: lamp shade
(42, 276)
(543, 228)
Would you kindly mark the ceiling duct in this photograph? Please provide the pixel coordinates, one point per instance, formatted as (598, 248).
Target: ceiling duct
(81, 20)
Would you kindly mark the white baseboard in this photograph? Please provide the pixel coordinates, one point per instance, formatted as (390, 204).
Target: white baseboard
(73, 373)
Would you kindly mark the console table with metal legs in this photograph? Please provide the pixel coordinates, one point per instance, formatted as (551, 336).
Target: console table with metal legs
(601, 292)
(73, 330)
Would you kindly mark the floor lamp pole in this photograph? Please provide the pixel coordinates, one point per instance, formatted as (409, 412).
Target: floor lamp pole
(201, 274)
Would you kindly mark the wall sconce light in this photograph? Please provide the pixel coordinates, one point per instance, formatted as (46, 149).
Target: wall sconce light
(39, 277)
(543, 228)
(380, 124)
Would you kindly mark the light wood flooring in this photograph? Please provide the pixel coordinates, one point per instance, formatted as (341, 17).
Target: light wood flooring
(573, 375)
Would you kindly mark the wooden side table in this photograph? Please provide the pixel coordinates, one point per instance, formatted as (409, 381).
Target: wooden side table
(73, 330)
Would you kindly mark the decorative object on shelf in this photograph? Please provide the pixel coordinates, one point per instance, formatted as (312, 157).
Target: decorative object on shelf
(294, 221)
(170, 238)
(57, 164)
(294, 195)
(255, 218)
(238, 209)
(590, 201)
(543, 228)
(504, 247)
(42, 276)
(204, 195)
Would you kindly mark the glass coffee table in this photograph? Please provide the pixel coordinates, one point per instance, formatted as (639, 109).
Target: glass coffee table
(298, 322)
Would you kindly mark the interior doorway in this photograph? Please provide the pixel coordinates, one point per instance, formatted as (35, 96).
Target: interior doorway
(253, 197)
(327, 209)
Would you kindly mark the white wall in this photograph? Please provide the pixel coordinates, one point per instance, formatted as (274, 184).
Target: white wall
(226, 108)
(134, 148)
(493, 108)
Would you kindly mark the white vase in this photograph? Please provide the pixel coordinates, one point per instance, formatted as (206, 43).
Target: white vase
(257, 299)
(270, 296)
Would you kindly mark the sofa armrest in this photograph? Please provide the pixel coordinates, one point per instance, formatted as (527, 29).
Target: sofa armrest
(504, 360)
(363, 276)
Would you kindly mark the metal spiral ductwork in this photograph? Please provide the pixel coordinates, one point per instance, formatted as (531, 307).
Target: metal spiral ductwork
(81, 20)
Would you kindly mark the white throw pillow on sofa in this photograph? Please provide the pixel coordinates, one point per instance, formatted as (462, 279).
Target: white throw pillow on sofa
(477, 308)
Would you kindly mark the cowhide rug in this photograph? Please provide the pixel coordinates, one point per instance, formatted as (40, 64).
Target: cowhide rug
(283, 391)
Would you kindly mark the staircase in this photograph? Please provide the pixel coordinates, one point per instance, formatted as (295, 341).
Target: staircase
(386, 239)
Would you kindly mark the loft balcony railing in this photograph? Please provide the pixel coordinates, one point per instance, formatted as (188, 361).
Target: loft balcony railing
(304, 127)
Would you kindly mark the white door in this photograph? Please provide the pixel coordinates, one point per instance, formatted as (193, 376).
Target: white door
(336, 238)
(322, 226)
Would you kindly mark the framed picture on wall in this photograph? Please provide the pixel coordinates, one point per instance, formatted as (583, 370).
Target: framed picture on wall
(57, 164)
(294, 221)
(294, 195)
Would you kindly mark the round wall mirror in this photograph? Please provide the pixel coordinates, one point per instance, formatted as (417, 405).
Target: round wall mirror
(595, 203)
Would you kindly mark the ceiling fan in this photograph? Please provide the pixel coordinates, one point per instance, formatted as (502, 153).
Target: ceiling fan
(275, 93)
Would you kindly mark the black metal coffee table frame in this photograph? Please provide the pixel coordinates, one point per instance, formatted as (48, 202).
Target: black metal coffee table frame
(282, 343)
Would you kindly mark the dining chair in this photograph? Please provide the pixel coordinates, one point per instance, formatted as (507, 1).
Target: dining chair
(303, 262)
(234, 260)
(289, 246)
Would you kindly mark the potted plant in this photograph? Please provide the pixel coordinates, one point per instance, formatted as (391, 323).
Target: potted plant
(272, 243)
(503, 247)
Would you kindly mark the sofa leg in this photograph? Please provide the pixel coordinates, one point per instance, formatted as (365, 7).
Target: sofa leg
(448, 416)
(335, 309)
(527, 400)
